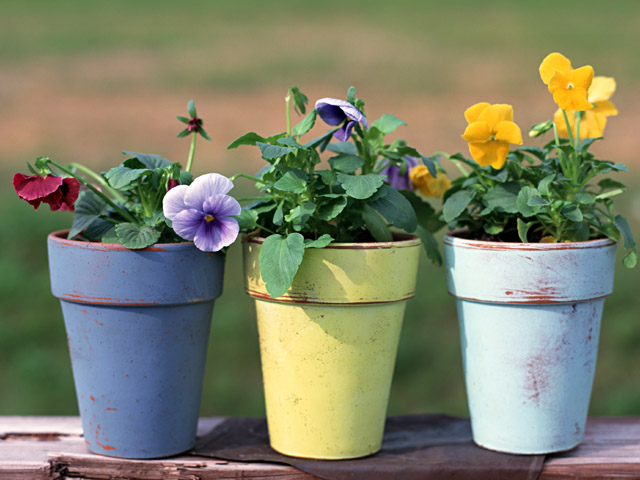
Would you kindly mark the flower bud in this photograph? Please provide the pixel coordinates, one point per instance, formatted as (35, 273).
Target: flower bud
(540, 128)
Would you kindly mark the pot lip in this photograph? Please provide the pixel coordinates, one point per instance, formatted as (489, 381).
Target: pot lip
(60, 237)
(453, 239)
(404, 240)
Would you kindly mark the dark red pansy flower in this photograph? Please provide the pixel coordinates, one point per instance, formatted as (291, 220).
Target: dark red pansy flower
(172, 183)
(60, 193)
(194, 124)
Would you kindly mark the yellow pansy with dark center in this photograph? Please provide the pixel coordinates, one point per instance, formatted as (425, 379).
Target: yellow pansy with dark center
(426, 184)
(593, 121)
(208, 218)
(569, 86)
(490, 131)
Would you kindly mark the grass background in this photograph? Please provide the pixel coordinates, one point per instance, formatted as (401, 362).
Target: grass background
(81, 81)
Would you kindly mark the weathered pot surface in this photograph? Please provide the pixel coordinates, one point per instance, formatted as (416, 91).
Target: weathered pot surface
(529, 317)
(137, 326)
(328, 346)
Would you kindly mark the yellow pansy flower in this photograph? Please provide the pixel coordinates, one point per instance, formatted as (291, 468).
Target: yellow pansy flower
(568, 86)
(427, 184)
(490, 131)
(593, 121)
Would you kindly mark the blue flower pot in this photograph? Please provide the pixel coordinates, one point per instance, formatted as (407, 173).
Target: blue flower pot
(529, 316)
(137, 326)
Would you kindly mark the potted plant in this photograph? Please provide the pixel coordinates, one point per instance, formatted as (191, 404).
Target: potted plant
(330, 278)
(530, 259)
(137, 298)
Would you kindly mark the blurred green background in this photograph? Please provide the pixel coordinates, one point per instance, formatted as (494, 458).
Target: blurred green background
(81, 81)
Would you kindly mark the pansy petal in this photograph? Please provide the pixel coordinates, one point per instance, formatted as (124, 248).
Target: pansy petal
(501, 152)
(204, 187)
(213, 236)
(173, 201)
(508, 132)
(579, 100)
(334, 111)
(558, 81)
(35, 187)
(605, 108)
(187, 223)
(563, 99)
(344, 132)
(554, 62)
(495, 114)
(601, 89)
(582, 77)
(472, 113)
(591, 126)
(478, 152)
(221, 206)
(477, 132)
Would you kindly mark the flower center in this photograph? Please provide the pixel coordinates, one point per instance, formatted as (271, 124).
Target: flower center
(570, 86)
(208, 218)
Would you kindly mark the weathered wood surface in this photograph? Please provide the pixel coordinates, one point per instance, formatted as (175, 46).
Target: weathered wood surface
(53, 448)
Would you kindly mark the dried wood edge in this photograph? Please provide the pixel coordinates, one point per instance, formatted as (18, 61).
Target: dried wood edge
(94, 467)
(585, 471)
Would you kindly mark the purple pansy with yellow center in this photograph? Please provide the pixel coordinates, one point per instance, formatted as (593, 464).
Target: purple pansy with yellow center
(335, 112)
(398, 180)
(203, 212)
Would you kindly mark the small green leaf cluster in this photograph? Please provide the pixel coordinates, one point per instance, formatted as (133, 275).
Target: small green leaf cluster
(543, 194)
(136, 220)
(308, 202)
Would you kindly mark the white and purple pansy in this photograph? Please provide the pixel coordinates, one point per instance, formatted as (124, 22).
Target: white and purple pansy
(398, 180)
(203, 212)
(335, 112)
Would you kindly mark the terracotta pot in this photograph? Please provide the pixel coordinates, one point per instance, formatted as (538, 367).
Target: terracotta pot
(137, 326)
(328, 345)
(529, 316)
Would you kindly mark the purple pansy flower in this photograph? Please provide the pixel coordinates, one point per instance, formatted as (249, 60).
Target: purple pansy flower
(334, 112)
(398, 180)
(202, 212)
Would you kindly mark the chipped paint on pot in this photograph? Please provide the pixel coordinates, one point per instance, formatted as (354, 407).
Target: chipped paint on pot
(529, 317)
(328, 346)
(137, 326)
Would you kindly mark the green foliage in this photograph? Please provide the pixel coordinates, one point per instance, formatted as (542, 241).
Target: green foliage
(540, 193)
(306, 206)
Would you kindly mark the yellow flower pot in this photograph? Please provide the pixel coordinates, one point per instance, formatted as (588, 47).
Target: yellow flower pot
(328, 345)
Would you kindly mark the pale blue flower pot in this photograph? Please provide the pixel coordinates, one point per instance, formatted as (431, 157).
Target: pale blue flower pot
(137, 326)
(529, 317)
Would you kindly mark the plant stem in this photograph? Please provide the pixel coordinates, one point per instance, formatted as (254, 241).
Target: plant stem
(249, 177)
(87, 171)
(287, 102)
(573, 140)
(563, 165)
(126, 215)
(192, 152)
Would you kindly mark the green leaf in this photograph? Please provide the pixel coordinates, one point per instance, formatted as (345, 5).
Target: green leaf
(111, 236)
(430, 245)
(290, 142)
(250, 138)
(136, 237)
(525, 194)
(376, 225)
(183, 133)
(584, 198)
(343, 147)
(319, 242)
(121, 177)
(247, 220)
(572, 212)
(360, 186)
(88, 208)
(298, 216)
(387, 123)
(332, 209)
(191, 107)
(279, 259)
(292, 183)
(537, 201)
(269, 152)
(278, 215)
(346, 163)
(630, 260)
(150, 161)
(97, 229)
(203, 133)
(322, 141)
(623, 227)
(395, 208)
(305, 124)
(608, 184)
(183, 119)
(328, 176)
(300, 100)
(455, 204)
(427, 216)
(543, 185)
(351, 94)
(523, 229)
(503, 198)
(185, 178)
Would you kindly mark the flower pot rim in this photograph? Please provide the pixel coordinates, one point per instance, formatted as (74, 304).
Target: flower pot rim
(60, 237)
(402, 240)
(454, 239)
